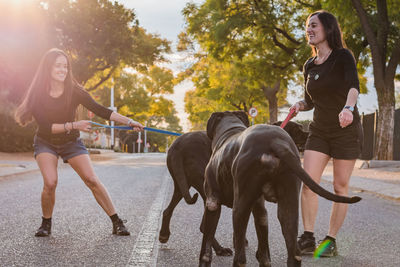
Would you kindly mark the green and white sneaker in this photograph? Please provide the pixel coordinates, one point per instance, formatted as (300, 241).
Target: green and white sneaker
(326, 248)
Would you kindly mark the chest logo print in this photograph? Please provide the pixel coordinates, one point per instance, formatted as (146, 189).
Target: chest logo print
(316, 77)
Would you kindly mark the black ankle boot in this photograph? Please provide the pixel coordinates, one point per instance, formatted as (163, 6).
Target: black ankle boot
(45, 228)
(119, 228)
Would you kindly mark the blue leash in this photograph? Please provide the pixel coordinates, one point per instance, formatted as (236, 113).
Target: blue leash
(130, 128)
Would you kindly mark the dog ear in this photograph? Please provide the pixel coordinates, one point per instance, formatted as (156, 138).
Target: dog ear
(212, 123)
(243, 117)
(277, 123)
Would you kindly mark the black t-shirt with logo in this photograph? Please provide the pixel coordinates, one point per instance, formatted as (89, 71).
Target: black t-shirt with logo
(327, 86)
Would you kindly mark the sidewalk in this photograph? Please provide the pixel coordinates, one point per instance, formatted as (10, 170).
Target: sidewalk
(24, 162)
(16, 163)
(383, 181)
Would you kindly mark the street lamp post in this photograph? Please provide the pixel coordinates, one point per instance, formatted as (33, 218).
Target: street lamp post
(145, 149)
(113, 109)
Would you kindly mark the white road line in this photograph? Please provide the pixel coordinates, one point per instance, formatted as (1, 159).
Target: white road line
(145, 250)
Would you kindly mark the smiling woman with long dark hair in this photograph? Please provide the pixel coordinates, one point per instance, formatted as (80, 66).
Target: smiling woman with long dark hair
(51, 101)
(331, 88)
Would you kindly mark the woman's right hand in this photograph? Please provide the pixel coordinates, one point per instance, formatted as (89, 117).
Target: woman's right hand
(296, 107)
(84, 125)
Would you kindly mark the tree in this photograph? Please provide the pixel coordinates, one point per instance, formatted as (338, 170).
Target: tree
(101, 35)
(221, 85)
(260, 34)
(140, 95)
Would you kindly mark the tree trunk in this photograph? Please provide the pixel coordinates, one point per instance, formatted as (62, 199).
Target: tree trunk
(270, 94)
(385, 129)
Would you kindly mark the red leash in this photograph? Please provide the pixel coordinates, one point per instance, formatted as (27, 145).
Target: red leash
(288, 118)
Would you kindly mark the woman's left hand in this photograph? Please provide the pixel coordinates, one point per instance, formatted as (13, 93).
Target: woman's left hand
(345, 118)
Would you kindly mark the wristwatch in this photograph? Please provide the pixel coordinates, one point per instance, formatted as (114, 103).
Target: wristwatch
(349, 108)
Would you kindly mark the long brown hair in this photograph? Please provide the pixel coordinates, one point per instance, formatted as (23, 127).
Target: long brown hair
(40, 86)
(332, 30)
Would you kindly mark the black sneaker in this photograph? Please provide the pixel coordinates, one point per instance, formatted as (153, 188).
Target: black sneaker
(306, 244)
(326, 248)
(119, 228)
(44, 229)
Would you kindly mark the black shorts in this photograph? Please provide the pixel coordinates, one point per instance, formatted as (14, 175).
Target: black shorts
(343, 143)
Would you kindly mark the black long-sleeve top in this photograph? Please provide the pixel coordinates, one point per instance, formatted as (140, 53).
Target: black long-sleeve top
(327, 86)
(56, 111)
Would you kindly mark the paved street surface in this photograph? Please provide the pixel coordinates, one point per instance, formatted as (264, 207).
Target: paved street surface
(141, 188)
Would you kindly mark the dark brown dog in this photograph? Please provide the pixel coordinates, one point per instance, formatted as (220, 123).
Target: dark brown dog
(187, 160)
(246, 166)
(295, 130)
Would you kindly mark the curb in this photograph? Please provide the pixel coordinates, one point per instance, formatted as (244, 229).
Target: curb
(380, 164)
(5, 176)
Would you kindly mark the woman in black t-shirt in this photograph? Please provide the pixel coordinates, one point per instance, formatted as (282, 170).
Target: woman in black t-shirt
(51, 101)
(331, 88)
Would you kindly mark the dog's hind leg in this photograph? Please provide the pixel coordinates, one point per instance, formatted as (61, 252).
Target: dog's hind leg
(241, 214)
(261, 224)
(167, 214)
(211, 218)
(219, 250)
(288, 215)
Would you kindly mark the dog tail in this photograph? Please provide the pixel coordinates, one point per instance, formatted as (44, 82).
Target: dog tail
(286, 155)
(180, 179)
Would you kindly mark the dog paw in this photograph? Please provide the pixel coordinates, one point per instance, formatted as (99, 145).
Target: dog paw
(224, 252)
(204, 264)
(237, 264)
(263, 260)
(264, 264)
(163, 238)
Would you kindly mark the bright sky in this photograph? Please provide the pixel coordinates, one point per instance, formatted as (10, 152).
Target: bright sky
(165, 18)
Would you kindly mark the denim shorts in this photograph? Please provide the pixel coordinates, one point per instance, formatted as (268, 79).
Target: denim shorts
(67, 150)
(345, 143)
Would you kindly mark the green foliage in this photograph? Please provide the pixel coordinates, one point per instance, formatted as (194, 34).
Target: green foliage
(254, 50)
(100, 35)
(140, 95)
(13, 138)
(222, 86)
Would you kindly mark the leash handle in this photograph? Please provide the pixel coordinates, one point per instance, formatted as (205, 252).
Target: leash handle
(130, 128)
(288, 118)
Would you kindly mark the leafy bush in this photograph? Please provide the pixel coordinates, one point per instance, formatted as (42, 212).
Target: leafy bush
(14, 138)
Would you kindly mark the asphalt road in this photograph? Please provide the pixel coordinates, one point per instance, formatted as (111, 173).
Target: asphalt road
(141, 188)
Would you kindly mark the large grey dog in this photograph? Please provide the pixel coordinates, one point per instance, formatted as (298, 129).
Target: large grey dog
(187, 159)
(249, 165)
